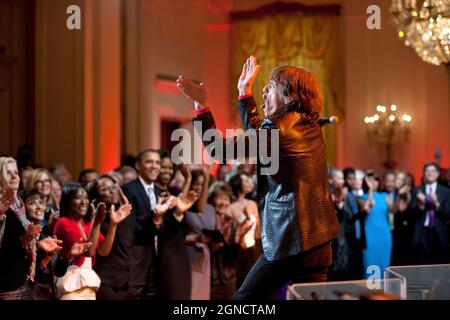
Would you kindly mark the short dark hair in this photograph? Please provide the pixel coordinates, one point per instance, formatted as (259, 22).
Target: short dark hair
(348, 171)
(33, 193)
(144, 152)
(164, 153)
(68, 192)
(431, 164)
(388, 172)
(375, 176)
(93, 192)
(85, 172)
(196, 173)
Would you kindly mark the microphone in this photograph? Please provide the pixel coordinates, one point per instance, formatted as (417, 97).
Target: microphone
(322, 121)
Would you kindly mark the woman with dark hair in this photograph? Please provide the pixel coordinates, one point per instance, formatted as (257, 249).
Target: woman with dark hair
(199, 218)
(166, 174)
(113, 269)
(245, 211)
(377, 254)
(81, 221)
(35, 208)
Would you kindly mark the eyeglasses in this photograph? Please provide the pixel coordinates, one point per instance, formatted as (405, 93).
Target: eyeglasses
(43, 181)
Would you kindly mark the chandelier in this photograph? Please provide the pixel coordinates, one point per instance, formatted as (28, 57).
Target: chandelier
(387, 128)
(425, 26)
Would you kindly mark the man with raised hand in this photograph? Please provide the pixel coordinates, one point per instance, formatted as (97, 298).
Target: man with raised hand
(298, 220)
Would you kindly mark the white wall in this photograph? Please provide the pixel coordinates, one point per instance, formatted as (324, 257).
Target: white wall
(170, 38)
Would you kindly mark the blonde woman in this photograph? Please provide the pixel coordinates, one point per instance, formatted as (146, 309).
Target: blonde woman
(41, 180)
(18, 235)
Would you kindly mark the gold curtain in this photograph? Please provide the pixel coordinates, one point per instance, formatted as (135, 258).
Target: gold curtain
(311, 41)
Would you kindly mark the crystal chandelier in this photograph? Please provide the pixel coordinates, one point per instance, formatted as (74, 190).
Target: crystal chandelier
(425, 26)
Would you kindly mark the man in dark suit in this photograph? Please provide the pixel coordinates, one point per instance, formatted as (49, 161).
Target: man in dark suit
(159, 250)
(143, 195)
(430, 205)
(298, 219)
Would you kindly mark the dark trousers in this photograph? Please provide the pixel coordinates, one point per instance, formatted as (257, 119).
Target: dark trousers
(266, 277)
(142, 266)
(110, 293)
(430, 250)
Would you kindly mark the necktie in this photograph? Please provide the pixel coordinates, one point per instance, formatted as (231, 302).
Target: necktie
(151, 195)
(429, 206)
(355, 210)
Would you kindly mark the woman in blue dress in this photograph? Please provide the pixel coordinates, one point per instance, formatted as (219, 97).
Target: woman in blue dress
(377, 254)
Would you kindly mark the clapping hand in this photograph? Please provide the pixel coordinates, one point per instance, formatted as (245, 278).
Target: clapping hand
(123, 198)
(79, 248)
(117, 216)
(435, 201)
(185, 172)
(370, 181)
(206, 168)
(99, 213)
(50, 245)
(421, 198)
(195, 92)
(54, 216)
(31, 233)
(184, 203)
(165, 202)
(243, 228)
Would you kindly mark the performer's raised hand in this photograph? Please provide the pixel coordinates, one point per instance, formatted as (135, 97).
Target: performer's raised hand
(195, 92)
(249, 72)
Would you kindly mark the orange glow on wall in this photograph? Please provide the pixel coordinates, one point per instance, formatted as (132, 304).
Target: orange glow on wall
(217, 27)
